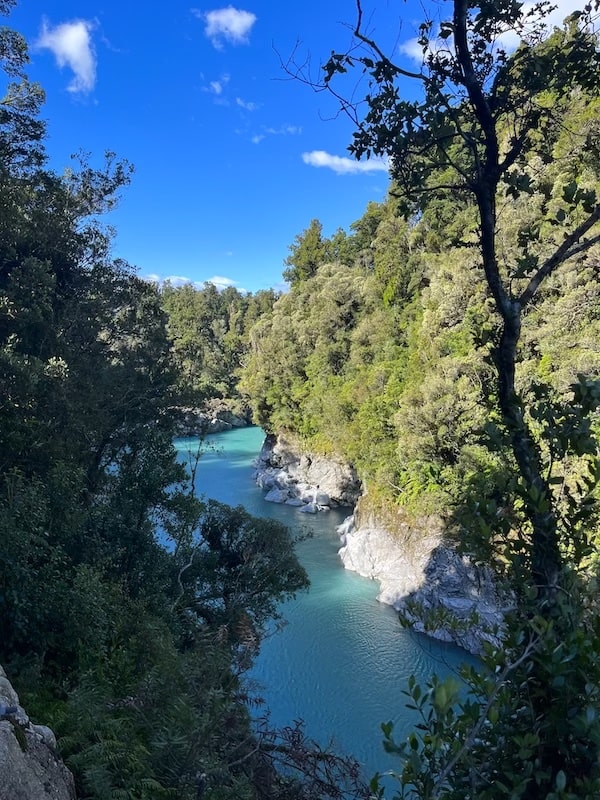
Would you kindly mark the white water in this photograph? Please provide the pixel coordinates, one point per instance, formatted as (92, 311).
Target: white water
(342, 660)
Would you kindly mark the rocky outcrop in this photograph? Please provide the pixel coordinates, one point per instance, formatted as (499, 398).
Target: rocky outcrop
(30, 768)
(389, 550)
(215, 416)
(303, 479)
(439, 591)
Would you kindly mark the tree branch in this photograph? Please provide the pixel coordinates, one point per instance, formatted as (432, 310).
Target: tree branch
(567, 249)
(475, 731)
(372, 45)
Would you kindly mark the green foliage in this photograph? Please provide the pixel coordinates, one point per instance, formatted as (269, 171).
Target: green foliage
(235, 570)
(131, 650)
(209, 333)
(307, 253)
(312, 362)
(523, 725)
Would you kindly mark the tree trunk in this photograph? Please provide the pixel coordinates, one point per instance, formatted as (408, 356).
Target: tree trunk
(546, 560)
(545, 554)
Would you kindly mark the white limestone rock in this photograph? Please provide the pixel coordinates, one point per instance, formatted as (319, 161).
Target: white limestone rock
(30, 768)
(316, 480)
(425, 579)
(277, 496)
(309, 508)
(322, 499)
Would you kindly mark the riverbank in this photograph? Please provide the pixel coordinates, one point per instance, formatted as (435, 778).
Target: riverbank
(214, 416)
(438, 591)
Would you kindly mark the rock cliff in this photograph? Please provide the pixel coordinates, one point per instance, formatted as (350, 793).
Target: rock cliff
(438, 591)
(300, 478)
(30, 768)
(215, 416)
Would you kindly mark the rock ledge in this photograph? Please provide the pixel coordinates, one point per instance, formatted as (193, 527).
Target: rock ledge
(306, 480)
(440, 592)
(29, 764)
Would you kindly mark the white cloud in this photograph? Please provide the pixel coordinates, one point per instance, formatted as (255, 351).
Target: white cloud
(343, 166)
(220, 281)
(227, 24)
(412, 49)
(246, 105)
(285, 130)
(562, 9)
(72, 46)
(174, 280)
(217, 87)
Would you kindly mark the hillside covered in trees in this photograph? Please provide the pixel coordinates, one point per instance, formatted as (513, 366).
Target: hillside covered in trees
(129, 607)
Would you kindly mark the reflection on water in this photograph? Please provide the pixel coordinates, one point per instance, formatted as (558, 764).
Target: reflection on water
(341, 661)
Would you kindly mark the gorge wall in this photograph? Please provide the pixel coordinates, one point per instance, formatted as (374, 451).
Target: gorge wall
(30, 768)
(437, 590)
(215, 416)
(297, 477)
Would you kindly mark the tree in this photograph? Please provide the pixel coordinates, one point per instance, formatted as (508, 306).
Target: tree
(307, 253)
(238, 570)
(492, 128)
(484, 115)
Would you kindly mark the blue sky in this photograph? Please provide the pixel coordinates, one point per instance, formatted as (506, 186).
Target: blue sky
(232, 158)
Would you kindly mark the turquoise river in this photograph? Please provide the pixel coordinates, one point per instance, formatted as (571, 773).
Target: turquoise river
(341, 660)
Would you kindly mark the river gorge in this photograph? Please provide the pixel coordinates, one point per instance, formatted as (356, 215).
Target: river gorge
(341, 659)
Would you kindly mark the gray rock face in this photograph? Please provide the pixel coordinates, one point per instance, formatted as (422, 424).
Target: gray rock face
(440, 592)
(317, 481)
(215, 417)
(276, 495)
(30, 768)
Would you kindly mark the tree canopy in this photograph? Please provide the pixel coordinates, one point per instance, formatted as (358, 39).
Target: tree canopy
(490, 235)
(129, 606)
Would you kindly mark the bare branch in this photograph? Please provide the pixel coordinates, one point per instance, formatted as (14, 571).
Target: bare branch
(569, 248)
(373, 46)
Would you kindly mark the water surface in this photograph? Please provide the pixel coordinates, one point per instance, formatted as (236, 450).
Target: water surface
(342, 660)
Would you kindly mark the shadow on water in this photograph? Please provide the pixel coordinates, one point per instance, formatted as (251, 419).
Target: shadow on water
(341, 660)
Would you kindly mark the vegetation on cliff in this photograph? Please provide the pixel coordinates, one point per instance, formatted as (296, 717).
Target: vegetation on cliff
(485, 259)
(129, 607)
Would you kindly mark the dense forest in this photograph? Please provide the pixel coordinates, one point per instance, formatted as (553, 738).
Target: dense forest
(129, 607)
(447, 345)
